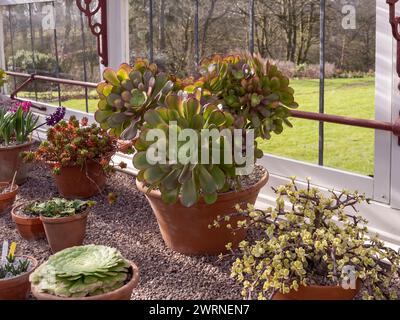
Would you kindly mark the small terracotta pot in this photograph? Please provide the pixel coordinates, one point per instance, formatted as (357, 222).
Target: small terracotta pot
(19, 287)
(11, 161)
(320, 293)
(75, 182)
(29, 228)
(186, 230)
(123, 293)
(65, 232)
(7, 199)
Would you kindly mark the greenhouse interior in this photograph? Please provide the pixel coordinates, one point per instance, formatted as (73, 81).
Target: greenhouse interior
(200, 150)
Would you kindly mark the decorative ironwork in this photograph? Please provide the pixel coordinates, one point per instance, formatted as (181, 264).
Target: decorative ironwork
(92, 9)
(395, 22)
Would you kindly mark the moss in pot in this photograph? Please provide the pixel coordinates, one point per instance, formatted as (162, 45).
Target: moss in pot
(91, 272)
(311, 247)
(64, 221)
(242, 93)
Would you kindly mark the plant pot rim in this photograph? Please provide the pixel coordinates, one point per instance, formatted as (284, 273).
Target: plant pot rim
(30, 258)
(133, 282)
(16, 146)
(258, 185)
(58, 220)
(14, 213)
(9, 194)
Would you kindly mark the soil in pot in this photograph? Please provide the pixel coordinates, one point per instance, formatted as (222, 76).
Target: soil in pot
(65, 232)
(315, 292)
(7, 196)
(186, 230)
(76, 182)
(11, 161)
(30, 227)
(123, 293)
(17, 288)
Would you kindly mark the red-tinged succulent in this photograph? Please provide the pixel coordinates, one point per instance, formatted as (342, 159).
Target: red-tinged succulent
(72, 143)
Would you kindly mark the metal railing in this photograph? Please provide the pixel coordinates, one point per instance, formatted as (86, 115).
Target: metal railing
(321, 117)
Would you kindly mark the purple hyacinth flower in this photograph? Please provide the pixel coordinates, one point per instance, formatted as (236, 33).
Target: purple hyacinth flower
(56, 117)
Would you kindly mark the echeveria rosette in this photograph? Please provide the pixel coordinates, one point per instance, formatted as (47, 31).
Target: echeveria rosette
(250, 88)
(190, 181)
(127, 94)
(82, 271)
(301, 243)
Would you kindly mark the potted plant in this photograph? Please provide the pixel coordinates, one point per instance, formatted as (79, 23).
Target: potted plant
(8, 193)
(79, 155)
(14, 276)
(64, 221)
(242, 93)
(28, 222)
(310, 247)
(16, 127)
(91, 272)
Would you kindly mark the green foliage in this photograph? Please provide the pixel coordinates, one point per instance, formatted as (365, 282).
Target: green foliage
(191, 180)
(16, 127)
(3, 77)
(23, 59)
(127, 94)
(57, 207)
(82, 271)
(252, 89)
(14, 267)
(309, 238)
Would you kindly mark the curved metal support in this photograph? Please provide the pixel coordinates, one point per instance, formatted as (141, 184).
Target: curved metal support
(91, 9)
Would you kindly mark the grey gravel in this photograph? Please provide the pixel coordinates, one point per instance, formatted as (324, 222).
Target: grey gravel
(130, 226)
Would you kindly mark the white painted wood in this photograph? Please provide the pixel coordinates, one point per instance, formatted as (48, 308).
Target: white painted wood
(15, 2)
(118, 32)
(383, 102)
(2, 54)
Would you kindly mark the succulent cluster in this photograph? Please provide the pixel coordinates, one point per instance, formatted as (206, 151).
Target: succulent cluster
(73, 143)
(13, 267)
(57, 207)
(252, 89)
(301, 243)
(127, 94)
(82, 272)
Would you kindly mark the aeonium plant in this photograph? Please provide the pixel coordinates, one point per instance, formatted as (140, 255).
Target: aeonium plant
(185, 150)
(311, 239)
(249, 87)
(73, 143)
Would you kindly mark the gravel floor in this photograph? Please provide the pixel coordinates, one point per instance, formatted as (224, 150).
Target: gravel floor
(130, 226)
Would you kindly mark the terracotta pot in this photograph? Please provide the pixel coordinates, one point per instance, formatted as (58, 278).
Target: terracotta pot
(10, 161)
(19, 287)
(81, 183)
(65, 232)
(29, 228)
(186, 229)
(123, 293)
(7, 199)
(320, 293)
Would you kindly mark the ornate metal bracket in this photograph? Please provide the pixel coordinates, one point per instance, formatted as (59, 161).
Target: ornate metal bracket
(92, 8)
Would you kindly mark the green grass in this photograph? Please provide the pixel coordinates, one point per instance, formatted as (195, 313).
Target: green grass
(347, 148)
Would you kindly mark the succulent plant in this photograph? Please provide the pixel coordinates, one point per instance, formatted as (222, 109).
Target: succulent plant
(250, 88)
(127, 94)
(58, 207)
(81, 271)
(192, 179)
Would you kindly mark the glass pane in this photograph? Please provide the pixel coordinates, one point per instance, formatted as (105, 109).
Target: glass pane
(138, 29)
(289, 35)
(350, 84)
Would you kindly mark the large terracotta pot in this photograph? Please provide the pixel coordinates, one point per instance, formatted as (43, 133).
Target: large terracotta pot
(187, 231)
(76, 182)
(19, 287)
(320, 293)
(11, 161)
(65, 232)
(123, 293)
(7, 199)
(30, 228)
